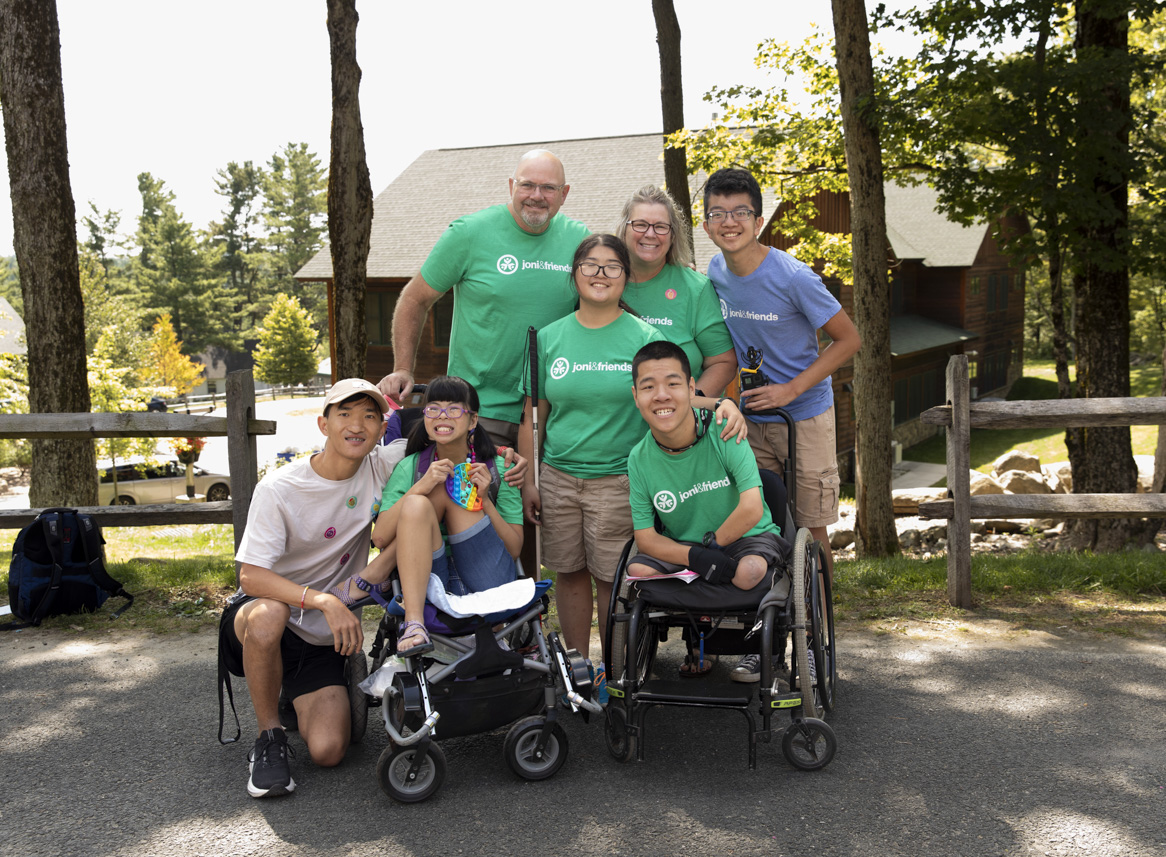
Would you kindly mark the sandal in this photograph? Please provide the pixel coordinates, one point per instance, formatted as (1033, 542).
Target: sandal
(692, 668)
(408, 631)
(375, 592)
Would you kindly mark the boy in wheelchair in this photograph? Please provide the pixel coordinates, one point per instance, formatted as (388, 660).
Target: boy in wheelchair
(689, 478)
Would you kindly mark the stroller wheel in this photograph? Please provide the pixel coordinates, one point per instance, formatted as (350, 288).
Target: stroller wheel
(356, 671)
(396, 763)
(809, 744)
(619, 740)
(523, 754)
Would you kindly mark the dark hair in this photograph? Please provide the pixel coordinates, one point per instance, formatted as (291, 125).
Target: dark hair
(733, 180)
(661, 349)
(611, 242)
(450, 388)
(352, 400)
(679, 251)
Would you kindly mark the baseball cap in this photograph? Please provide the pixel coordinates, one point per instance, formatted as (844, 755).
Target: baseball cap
(350, 387)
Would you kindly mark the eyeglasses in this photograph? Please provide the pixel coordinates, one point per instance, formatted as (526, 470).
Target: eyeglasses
(454, 412)
(736, 214)
(643, 226)
(531, 187)
(590, 269)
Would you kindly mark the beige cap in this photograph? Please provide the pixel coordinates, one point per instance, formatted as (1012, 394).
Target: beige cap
(350, 387)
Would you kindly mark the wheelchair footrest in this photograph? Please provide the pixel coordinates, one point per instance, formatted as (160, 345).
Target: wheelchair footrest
(702, 693)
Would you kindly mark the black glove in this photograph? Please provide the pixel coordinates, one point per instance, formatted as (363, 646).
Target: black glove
(713, 565)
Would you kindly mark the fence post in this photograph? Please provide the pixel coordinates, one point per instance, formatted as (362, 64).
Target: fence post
(241, 453)
(959, 526)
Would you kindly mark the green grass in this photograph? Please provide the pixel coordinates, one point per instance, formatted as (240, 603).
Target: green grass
(1039, 382)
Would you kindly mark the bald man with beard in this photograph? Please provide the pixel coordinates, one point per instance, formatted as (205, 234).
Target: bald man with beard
(509, 269)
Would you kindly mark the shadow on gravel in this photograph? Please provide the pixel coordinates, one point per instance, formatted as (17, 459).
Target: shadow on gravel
(108, 748)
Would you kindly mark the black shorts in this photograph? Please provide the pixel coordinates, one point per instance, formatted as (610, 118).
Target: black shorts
(769, 546)
(306, 667)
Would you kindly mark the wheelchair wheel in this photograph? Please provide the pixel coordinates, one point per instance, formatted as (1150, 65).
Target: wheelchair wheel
(809, 744)
(801, 573)
(626, 673)
(356, 671)
(822, 628)
(393, 773)
(523, 755)
(616, 735)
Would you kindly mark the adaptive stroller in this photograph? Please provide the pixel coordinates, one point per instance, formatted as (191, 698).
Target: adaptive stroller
(484, 672)
(794, 597)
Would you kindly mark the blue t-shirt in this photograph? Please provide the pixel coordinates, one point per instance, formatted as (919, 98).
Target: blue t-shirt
(777, 310)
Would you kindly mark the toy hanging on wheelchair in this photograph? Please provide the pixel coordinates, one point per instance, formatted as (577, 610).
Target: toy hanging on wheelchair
(752, 378)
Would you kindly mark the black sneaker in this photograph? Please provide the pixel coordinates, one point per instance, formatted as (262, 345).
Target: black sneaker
(270, 773)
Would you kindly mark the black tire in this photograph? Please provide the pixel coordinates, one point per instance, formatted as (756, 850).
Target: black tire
(356, 671)
(521, 749)
(123, 500)
(809, 745)
(218, 492)
(619, 740)
(822, 634)
(393, 771)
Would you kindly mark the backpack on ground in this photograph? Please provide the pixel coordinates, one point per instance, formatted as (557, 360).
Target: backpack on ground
(58, 567)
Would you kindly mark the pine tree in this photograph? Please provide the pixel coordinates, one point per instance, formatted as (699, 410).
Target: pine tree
(287, 344)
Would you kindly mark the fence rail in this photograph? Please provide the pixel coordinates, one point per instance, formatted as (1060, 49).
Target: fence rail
(239, 426)
(960, 415)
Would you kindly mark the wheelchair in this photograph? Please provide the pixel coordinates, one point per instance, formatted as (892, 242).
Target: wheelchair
(794, 599)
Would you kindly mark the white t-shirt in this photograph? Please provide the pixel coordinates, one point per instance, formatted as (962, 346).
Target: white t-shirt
(316, 531)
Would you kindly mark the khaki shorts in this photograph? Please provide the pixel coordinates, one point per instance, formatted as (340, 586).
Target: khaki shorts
(816, 462)
(585, 522)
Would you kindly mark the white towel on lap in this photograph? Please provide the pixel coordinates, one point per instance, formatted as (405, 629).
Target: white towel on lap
(508, 596)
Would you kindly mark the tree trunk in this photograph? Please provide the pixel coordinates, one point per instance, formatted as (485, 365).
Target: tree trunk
(45, 239)
(672, 104)
(876, 534)
(349, 196)
(1102, 331)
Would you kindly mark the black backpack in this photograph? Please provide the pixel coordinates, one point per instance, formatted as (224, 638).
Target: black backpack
(58, 567)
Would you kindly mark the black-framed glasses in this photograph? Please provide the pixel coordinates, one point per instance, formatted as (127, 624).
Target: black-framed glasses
(642, 226)
(736, 214)
(454, 412)
(611, 271)
(531, 187)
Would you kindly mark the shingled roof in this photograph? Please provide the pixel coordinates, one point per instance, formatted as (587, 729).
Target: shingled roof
(918, 230)
(444, 184)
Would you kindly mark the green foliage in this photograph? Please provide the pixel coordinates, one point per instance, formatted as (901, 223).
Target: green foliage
(110, 394)
(14, 400)
(287, 344)
(244, 258)
(10, 283)
(296, 190)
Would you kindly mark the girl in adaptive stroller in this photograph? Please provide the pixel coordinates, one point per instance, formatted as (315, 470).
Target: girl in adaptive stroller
(442, 493)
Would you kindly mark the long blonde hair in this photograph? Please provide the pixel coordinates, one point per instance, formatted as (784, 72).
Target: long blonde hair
(680, 251)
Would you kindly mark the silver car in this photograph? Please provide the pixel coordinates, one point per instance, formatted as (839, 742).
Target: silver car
(157, 481)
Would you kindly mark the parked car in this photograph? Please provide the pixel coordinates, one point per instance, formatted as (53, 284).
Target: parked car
(156, 405)
(156, 481)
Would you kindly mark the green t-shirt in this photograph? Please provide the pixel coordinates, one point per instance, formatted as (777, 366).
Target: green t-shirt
(505, 280)
(586, 375)
(695, 490)
(509, 502)
(681, 304)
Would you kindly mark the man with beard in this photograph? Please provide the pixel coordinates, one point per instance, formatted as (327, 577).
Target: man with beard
(509, 268)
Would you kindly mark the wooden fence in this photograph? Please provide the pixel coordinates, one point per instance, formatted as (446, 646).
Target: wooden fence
(960, 416)
(239, 426)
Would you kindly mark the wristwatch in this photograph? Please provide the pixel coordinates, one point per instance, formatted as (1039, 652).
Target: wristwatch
(710, 540)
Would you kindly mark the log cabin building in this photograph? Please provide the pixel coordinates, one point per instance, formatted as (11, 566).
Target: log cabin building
(952, 289)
